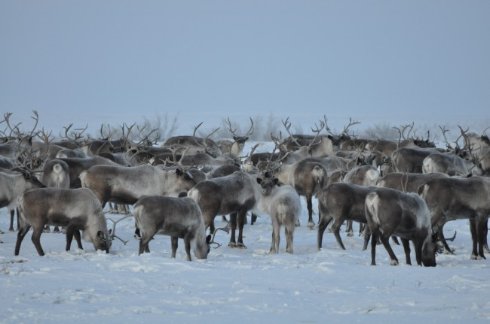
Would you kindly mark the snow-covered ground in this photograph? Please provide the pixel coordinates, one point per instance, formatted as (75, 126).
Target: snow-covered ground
(237, 285)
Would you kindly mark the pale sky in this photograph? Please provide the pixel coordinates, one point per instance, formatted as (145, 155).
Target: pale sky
(122, 61)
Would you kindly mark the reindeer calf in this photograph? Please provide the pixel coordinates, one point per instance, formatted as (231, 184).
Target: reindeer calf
(283, 205)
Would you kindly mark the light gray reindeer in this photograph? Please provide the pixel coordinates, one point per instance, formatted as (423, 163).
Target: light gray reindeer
(283, 205)
(125, 185)
(13, 184)
(175, 217)
(76, 209)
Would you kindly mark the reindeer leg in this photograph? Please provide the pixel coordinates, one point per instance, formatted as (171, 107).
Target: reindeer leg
(473, 229)
(233, 220)
(485, 234)
(289, 238)
(144, 242)
(322, 225)
(78, 238)
(187, 242)
(175, 245)
(69, 236)
(349, 230)
(36, 239)
(386, 242)
(20, 236)
(253, 218)
(480, 227)
(12, 215)
(336, 231)
(406, 248)
(309, 205)
(374, 239)
(241, 221)
(275, 237)
(367, 236)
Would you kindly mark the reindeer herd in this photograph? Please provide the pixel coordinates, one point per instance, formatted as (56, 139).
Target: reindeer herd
(405, 189)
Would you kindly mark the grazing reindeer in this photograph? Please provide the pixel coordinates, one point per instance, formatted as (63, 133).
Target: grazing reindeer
(176, 217)
(125, 185)
(283, 205)
(234, 194)
(339, 202)
(460, 198)
(392, 212)
(12, 185)
(77, 209)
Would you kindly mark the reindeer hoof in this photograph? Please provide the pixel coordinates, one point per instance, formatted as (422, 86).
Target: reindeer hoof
(394, 262)
(241, 246)
(311, 225)
(232, 244)
(350, 234)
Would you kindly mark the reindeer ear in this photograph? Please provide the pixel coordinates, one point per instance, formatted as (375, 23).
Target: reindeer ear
(259, 180)
(100, 235)
(179, 171)
(208, 239)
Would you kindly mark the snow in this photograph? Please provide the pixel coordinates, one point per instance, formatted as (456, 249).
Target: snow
(237, 285)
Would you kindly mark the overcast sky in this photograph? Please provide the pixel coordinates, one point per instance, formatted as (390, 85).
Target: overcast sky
(375, 61)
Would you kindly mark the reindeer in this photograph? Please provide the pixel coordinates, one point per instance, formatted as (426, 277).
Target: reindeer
(450, 164)
(13, 184)
(194, 144)
(317, 145)
(407, 182)
(307, 177)
(283, 205)
(77, 209)
(363, 175)
(392, 212)
(56, 173)
(410, 159)
(234, 194)
(459, 198)
(77, 165)
(125, 185)
(234, 148)
(339, 202)
(176, 217)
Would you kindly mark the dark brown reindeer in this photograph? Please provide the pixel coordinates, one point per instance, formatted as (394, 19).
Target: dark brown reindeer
(460, 198)
(234, 194)
(76, 209)
(340, 202)
(175, 217)
(392, 212)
